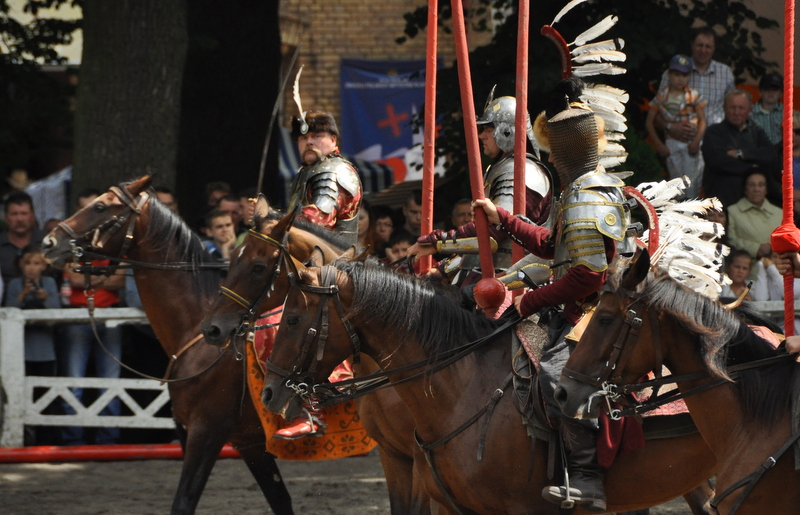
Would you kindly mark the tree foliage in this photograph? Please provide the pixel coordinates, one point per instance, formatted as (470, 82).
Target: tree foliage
(653, 30)
(37, 118)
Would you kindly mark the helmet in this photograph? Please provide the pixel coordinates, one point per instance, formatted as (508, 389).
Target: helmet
(574, 140)
(502, 112)
(315, 121)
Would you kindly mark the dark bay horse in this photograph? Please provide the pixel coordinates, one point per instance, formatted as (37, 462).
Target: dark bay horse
(252, 278)
(399, 321)
(214, 406)
(744, 420)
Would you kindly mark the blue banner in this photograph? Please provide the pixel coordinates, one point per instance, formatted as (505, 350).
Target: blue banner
(379, 99)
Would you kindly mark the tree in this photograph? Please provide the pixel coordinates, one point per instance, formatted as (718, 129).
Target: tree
(36, 123)
(649, 44)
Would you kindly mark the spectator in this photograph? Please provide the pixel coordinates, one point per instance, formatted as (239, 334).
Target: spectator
(461, 214)
(753, 218)
(398, 246)
(34, 290)
(768, 111)
(167, 197)
(233, 207)
(382, 228)
(365, 225)
(738, 267)
(20, 233)
(215, 190)
(79, 345)
(222, 237)
(412, 213)
(712, 79)
(735, 147)
(679, 103)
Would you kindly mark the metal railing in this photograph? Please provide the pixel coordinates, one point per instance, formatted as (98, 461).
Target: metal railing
(18, 408)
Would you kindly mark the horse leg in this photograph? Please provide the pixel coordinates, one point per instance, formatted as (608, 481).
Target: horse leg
(265, 470)
(200, 454)
(406, 495)
(181, 432)
(698, 499)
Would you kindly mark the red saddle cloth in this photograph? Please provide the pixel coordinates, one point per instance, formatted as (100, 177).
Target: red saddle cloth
(345, 436)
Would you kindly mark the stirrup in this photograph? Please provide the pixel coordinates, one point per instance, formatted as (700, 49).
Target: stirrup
(307, 425)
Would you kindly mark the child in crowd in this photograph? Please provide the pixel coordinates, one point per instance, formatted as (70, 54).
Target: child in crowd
(768, 284)
(680, 103)
(33, 290)
(398, 246)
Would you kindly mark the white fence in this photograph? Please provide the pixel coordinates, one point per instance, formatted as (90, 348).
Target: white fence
(18, 409)
(16, 390)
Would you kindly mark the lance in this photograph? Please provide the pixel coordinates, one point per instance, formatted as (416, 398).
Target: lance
(521, 132)
(429, 139)
(471, 133)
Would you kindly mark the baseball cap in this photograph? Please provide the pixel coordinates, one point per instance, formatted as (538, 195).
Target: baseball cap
(771, 81)
(680, 63)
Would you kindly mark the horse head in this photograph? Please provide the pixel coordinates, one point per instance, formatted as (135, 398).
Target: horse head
(310, 342)
(608, 354)
(104, 226)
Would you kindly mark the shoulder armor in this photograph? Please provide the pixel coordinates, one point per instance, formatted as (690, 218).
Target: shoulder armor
(499, 180)
(597, 179)
(345, 172)
(537, 178)
(602, 210)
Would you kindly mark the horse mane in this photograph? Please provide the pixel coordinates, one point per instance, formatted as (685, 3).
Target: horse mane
(169, 232)
(331, 237)
(725, 339)
(413, 307)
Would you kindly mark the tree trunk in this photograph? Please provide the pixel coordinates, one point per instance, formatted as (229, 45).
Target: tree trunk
(129, 94)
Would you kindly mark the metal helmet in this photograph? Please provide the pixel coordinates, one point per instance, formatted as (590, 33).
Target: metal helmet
(502, 112)
(574, 139)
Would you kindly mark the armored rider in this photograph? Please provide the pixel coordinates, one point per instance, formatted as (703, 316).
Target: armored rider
(327, 188)
(327, 191)
(591, 219)
(497, 128)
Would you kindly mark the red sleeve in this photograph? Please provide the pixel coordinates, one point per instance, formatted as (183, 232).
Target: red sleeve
(578, 283)
(534, 238)
(346, 207)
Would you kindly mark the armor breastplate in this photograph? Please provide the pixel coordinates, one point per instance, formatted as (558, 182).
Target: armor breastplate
(590, 208)
(323, 179)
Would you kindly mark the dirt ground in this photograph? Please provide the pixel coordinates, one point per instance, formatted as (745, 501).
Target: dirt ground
(347, 486)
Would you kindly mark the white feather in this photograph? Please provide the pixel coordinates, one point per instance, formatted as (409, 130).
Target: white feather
(296, 91)
(615, 136)
(614, 149)
(603, 103)
(612, 161)
(588, 70)
(596, 31)
(605, 91)
(600, 57)
(600, 46)
(564, 10)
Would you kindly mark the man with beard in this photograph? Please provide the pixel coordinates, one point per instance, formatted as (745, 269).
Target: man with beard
(20, 233)
(327, 192)
(327, 189)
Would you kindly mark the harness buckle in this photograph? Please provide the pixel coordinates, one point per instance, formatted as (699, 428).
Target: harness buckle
(633, 319)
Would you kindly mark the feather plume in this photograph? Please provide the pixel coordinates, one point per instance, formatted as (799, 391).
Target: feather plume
(588, 70)
(564, 10)
(596, 31)
(615, 136)
(614, 149)
(600, 46)
(296, 96)
(607, 92)
(612, 161)
(600, 57)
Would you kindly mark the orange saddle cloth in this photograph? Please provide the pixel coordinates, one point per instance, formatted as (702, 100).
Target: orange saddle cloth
(345, 436)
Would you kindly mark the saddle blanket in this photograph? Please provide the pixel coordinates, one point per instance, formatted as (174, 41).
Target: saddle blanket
(345, 435)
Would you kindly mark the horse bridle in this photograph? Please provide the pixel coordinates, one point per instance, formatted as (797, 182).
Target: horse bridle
(252, 306)
(298, 379)
(102, 232)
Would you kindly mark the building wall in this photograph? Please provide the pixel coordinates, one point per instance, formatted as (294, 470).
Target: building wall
(330, 31)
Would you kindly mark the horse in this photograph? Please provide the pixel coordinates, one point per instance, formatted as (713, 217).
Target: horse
(400, 321)
(210, 407)
(255, 280)
(648, 318)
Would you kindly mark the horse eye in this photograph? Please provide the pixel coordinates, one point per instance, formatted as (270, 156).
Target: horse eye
(606, 320)
(258, 269)
(99, 207)
(293, 320)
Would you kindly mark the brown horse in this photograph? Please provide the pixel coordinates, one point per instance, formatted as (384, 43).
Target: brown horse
(399, 321)
(213, 407)
(253, 280)
(744, 421)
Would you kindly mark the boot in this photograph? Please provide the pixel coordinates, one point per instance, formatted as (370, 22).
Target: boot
(311, 423)
(585, 475)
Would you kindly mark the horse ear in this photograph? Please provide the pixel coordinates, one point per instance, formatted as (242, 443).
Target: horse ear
(260, 207)
(283, 226)
(140, 184)
(637, 272)
(352, 254)
(317, 258)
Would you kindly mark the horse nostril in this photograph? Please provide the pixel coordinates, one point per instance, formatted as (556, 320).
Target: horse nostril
(48, 243)
(266, 395)
(560, 395)
(213, 332)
